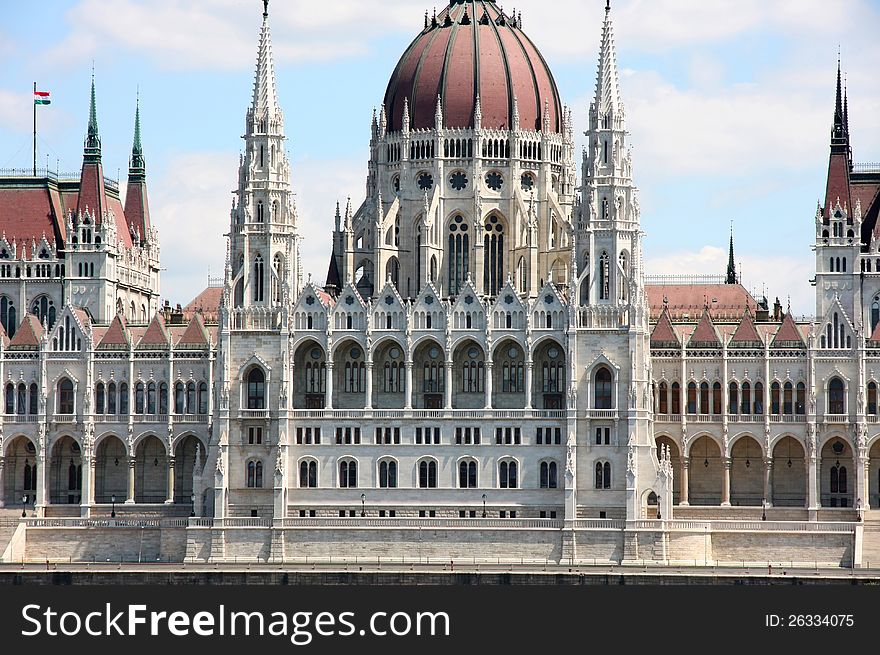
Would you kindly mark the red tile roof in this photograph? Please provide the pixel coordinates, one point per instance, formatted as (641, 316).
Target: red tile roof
(116, 337)
(26, 215)
(156, 334)
(687, 301)
(746, 331)
(838, 187)
(195, 334)
(704, 335)
(787, 334)
(207, 303)
(28, 335)
(664, 334)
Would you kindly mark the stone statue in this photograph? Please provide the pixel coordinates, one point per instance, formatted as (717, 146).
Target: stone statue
(279, 464)
(569, 460)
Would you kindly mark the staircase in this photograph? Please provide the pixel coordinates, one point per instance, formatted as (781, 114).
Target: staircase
(9, 519)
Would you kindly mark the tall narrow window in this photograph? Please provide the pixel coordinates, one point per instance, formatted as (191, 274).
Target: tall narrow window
(835, 396)
(786, 398)
(65, 396)
(663, 400)
(676, 398)
(8, 316)
(256, 389)
(427, 474)
(716, 398)
(493, 243)
(692, 398)
(872, 398)
(604, 277)
(458, 254)
(258, 280)
(774, 398)
(603, 382)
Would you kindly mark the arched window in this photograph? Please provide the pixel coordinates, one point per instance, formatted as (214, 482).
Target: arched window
(260, 211)
(163, 398)
(603, 395)
(255, 474)
(203, 398)
(676, 398)
(348, 474)
(692, 398)
(603, 475)
(433, 376)
(43, 308)
(32, 399)
(473, 372)
(139, 398)
(717, 405)
(10, 399)
(123, 398)
(493, 244)
(512, 370)
(278, 267)
(99, 398)
(800, 405)
(548, 475)
(838, 479)
(507, 475)
(111, 398)
(258, 280)
(467, 474)
(836, 396)
(733, 394)
(746, 400)
(704, 398)
(190, 397)
(21, 400)
(875, 312)
(759, 398)
(388, 474)
(458, 254)
(787, 398)
(65, 396)
(151, 398)
(663, 400)
(427, 474)
(308, 474)
(179, 399)
(774, 398)
(256, 389)
(872, 398)
(8, 316)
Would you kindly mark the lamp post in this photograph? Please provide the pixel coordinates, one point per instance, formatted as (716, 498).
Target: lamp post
(24, 500)
(363, 504)
(764, 509)
(484, 505)
(192, 501)
(113, 506)
(859, 509)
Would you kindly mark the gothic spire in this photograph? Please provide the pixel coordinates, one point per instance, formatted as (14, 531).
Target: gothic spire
(607, 80)
(137, 165)
(731, 264)
(265, 102)
(839, 133)
(92, 150)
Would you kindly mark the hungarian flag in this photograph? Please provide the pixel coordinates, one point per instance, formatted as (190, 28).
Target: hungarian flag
(41, 98)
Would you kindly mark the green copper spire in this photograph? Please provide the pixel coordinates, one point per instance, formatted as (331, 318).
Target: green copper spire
(137, 166)
(731, 266)
(93, 141)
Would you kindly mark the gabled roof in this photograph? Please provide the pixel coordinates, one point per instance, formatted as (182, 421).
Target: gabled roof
(787, 335)
(875, 335)
(28, 335)
(116, 337)
(746, 333)
(704, 335)
(156, 334)
(195, 333)
(664, 335)
(207, 303)
(686, 301)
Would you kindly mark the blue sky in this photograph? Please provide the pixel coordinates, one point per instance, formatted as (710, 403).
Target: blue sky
(729, 105)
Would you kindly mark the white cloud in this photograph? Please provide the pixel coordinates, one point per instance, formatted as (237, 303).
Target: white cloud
(779, 276)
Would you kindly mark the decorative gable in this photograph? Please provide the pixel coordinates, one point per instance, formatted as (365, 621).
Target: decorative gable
(468, 312)
(389, 312)
(156, 335)
(508, 312)
(664, 335)
(704, 336)
(788, 335)
(746, 334)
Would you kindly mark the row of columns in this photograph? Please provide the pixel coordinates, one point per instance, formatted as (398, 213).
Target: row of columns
(813, 492)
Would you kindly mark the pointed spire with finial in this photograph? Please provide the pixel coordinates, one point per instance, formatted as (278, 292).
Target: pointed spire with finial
(406, 115)
(338, 216)
(93, 140)
(607, 98)
(137, 165)
(264, 106)
(731, 263)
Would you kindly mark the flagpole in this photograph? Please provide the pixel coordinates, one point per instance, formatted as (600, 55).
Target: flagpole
(35, 129)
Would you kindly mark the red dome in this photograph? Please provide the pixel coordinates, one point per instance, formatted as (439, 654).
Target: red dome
(442, 61)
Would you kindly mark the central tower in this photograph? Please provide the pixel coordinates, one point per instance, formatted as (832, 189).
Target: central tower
(471, 172)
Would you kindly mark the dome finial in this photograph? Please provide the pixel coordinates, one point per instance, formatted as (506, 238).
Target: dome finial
(607, 5)
(265, 8)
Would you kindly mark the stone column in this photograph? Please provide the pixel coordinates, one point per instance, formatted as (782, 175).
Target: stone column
(170, 499)
(41, 499)
(328, 403)
(2, 482)
(131, 468)
(861, 491)
(813, 497)
(768, 490)
(685, 472)
(368, 400)
(490, 367)
(87, 487)
(409, 385)
(726, 463)
(529, 366)
(448, 373)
